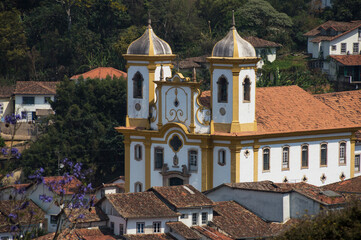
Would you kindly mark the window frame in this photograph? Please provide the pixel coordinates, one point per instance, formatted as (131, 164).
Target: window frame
(269, 159)
(247, 79)
(139, 226)
(53, 219)
(184, 216)
(157, 227)
(189, 160)
(334, 47)
(343, 48)
(288, 158)
(194, 219)
(222, 85)
(138, 81)
(223, 152)
(359, 165)
(357, 47)
(121, 229)
(321, 144)
(155, 157)
(27, 101)
(46, 100)
(138, 152)
(308, 151)
(136, 185)
(204, 220)
(344, 152)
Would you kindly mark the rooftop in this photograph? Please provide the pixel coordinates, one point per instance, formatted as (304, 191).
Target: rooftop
(259, 42)
(6, 91)
(82, 233)
(139, 205)
(93, 214)
(184, 196)
(155, 236)
(211, 233)
(35, 88)
(348, 60)
(101, 73)
(352, 185)
(70, 188)
(183, 230)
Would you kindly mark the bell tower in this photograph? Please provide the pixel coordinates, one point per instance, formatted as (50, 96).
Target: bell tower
(233, 84)
(146, 58)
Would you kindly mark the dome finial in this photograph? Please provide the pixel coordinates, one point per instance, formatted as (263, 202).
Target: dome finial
(149, 20)
(233, 21)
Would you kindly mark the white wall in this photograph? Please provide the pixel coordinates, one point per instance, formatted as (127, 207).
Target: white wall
(216, 106)
(221, 174)
(349, 39)
(7, 107)
(144, 102)
(137, 168)
(247, 109)
(39, 103)
(301, 205)
(148, 226)
(189, 211)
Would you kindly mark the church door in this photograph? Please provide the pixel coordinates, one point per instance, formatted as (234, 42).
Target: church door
(174, 181)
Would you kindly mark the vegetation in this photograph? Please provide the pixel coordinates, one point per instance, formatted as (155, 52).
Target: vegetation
(330, 225)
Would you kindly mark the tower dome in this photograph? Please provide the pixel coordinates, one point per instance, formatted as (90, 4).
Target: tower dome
(233, 46)
(149, 44)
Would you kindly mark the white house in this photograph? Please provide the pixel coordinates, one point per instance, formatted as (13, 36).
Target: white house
(6, 101)
(288, 200)
(32, 98)
(136, 213)
(114, 186)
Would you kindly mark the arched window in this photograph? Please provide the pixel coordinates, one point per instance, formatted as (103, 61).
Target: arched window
(193, 160)
(266, 159)
(247, 90)
(304, 156)
(158, 158)
(285, 158)
(222, 157)
(138, 152)
(323, 161)
(222, 89)
(342, 153)
(138, 85)
(138, 187)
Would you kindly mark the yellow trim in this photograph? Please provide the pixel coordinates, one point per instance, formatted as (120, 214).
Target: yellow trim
(151, 46)
(235, 46)
(151, 78)
(352, 157)
(235, 162)
(235, 106)
(127, 162)
(186, 84)
(149, 58)
(232, 60)
(147, 159)
(255, 162)
(138, 122)
(192, 126)
(160, 107)
(207, 164)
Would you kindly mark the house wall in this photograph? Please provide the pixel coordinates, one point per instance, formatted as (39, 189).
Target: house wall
(216, 106)
(221, 174)
(189, 211)
(148, 227)
(349, 39)
(6, 107)
(39, 103)
(267, 205)
(314, 170)
(358, 151)
(301, 205)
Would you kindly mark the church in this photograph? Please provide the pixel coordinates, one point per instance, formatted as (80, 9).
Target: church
(176, 134)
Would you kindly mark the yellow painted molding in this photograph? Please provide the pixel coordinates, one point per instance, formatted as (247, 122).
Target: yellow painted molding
(352, 158)
(232, 60)
(235, 162)
(127, 123)
(154, 58)
(147, 159)
(212, 127)
(235, 126)
(255, 162)
(127, 162)
(138, 122)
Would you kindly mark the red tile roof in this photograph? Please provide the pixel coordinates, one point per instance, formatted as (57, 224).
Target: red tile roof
(337, 26)
(101, 73)
(6, 91)
(211, 233)
(352, 185)
(183, 196)
(93, 214)
(139, 205)
(35, 88)
(155, 236)
(183, 230)
(348, 60)
(70, 188)
(82, 233)
(205, 98)
(259, 42)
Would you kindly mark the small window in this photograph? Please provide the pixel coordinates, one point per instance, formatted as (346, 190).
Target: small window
(158, 157)
(222, 157)
(266, 159)
(194, 218)
(24, 115)
(53, 219)
(138, 187)
(323, 161)
(121, 229)
(193, 160)
(184, 216)
(138, 85)
(343, 47)
(47, 100)
(304, 156)
(156, 227)
(355, 48)
(342, 153)
(247, 90)
(1, 108)
(222, 89)
(140, 227)
(357, 163)
(112, 226)
(285, 158)
(204, 218)
(28, 100)
(138, 152)
(333, 48)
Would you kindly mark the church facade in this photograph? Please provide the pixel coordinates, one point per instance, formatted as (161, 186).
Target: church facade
(175, 134)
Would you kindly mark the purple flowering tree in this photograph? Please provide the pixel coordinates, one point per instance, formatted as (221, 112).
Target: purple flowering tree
(68, 192)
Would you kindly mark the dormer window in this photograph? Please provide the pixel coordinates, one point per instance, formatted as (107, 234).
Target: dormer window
(138, 85)
(222, 89)
(247, 90)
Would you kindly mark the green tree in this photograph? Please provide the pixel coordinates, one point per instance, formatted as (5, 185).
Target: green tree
(346, 10)
(83, 128)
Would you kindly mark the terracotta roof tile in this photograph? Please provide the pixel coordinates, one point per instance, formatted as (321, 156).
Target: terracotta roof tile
(259, 42)
(140, 204)
(205, 99)
(101, 73)
(155, 236)
(6, 91)
(338, 26)
(352, 185)
(348, 60)
(184, 196)
(183, 230)
(322, 38)
(16, 186)
(267, 186)
(82, 233)
(31, 214)
(70, 188)
(211, 233)
(35, 88)
(93, 214)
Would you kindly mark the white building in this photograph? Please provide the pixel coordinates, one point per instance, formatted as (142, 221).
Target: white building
(113, 186)
(175, 134)
(32, 98)
(6, 101)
